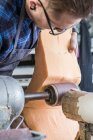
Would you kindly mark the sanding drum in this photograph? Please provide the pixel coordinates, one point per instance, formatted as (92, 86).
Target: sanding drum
(57, 91)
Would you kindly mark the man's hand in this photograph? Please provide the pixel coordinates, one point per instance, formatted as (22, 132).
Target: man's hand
(74, 43)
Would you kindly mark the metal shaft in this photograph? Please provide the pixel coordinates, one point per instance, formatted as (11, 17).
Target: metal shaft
(36, 96)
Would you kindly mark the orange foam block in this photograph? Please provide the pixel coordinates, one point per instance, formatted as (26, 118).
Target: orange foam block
(53, 64)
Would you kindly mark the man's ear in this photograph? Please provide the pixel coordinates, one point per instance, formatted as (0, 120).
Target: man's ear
(34, 4)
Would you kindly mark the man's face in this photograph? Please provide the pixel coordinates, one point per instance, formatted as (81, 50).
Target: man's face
(61, 22)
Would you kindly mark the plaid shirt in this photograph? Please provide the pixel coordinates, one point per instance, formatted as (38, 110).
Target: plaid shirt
(9, 19)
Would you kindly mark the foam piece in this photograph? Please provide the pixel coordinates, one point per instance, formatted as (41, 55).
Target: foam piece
(53, 64)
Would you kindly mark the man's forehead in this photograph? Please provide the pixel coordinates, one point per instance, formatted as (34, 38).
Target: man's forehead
(64, 19)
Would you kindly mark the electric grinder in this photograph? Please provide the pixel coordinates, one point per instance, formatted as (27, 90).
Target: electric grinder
(13, 98)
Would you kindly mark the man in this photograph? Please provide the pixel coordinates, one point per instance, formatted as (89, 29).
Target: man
(21, 22)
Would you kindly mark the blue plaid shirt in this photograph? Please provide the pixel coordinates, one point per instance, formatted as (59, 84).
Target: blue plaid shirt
(9, 19)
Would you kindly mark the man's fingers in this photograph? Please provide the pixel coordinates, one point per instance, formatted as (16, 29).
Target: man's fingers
(73, 43)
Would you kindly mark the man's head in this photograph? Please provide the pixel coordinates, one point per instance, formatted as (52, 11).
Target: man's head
(77, 8)
(60, 13)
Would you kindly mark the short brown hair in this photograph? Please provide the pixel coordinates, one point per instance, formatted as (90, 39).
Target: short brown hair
(77, 8)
